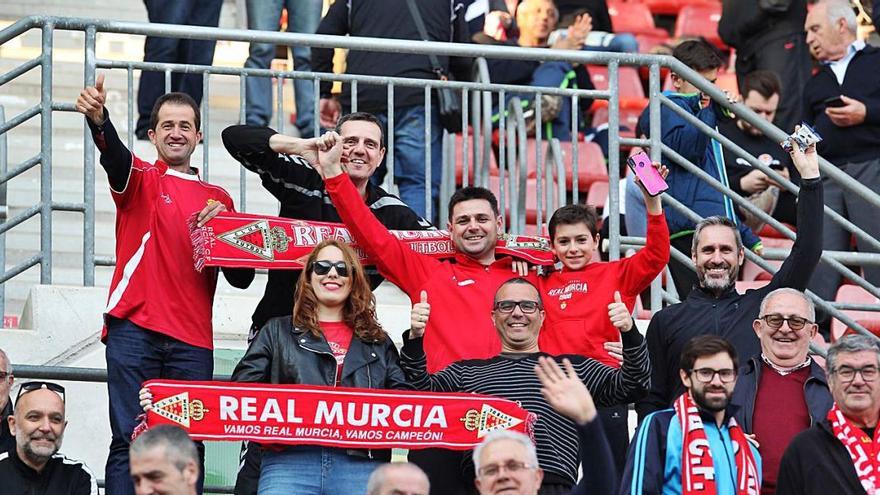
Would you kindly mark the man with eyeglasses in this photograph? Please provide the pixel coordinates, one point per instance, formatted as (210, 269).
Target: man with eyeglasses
(518, 315)
(782, 378)
(6, 380)
(697, 446)
(34, 465)
(839, 453)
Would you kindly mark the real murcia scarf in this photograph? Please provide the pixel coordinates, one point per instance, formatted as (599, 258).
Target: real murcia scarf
(241, 240)
(697, 469)
(863, 450)
(332, 416)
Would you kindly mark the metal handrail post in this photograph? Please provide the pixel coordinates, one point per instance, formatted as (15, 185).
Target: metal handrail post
(656, 153)
(89, 170)
(4, 208)
(46, 155)
(614, 160)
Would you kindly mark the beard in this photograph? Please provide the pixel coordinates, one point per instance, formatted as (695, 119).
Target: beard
(713, 404)
(717, 285)
(39, 454)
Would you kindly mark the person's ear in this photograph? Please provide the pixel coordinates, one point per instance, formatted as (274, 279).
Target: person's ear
(756, 326)
(11, 421)
(191, 473)
(685, 378)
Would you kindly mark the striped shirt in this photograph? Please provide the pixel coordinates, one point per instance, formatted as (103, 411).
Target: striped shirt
(512, 376)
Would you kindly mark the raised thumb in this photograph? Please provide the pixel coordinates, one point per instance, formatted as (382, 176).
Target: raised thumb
(423, 297)
(617, 297)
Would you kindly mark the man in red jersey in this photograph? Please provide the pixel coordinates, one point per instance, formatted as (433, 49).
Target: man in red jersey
(579, 299)
(464, 285)
(158, 315)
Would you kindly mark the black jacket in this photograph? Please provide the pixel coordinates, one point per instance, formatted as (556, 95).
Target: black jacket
(282, 353)
(856, 143)
(746, 26)
(444, 21)
(731, 315)
(60, 476)
(816, 463)
(300, 189)
(7, 441)
(816, 393)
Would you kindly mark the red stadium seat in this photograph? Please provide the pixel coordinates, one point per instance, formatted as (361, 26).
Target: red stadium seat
(672, 7)
(752, 272)
(459, 161)
(700, 20)
(598, 194)
(629, 84)
(742, 285)
(629, 118)
(591, 164)
(633, 17)
(727, 82)
(769, 231)
(868, 319)
(647, 42)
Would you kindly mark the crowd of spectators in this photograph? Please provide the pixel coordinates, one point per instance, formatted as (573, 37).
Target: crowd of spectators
(728, 396)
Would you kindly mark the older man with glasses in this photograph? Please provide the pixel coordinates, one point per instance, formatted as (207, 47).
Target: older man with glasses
(697, 446)
(518, 315)
(840, 454)
(7, 441)
(34, 465)
(782, 378)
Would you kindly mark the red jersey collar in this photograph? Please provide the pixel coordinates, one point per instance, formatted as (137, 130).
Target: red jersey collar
(166, 170)
(465, 260)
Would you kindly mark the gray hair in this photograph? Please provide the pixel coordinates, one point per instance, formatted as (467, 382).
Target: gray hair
(811, 308)
(841, 9)
(6, 361)
(514, 436)
(377, 478)
(851, 344)
(712, 221)
(179, 448)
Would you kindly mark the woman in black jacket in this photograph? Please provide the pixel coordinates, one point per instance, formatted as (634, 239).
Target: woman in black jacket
(332, 339)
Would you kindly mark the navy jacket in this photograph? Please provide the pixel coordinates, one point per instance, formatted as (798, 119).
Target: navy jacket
(816, 393)
(702, 151)
(817, 463)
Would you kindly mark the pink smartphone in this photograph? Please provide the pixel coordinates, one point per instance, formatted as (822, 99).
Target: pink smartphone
(641, 165)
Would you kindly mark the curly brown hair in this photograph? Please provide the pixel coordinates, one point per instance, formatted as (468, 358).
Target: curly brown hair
(359, 311)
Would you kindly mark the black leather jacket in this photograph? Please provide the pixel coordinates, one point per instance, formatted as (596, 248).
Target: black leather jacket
(282, 353)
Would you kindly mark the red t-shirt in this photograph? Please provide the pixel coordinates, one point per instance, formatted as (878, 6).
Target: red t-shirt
(155, 284)
(338, 335)
(576, 303)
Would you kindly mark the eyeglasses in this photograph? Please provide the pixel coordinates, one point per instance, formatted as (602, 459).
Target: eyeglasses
(775, 321)
(706, 375)
(323, 267)
(31, 386)
(511, 466)
(527, 307)
(847, 374)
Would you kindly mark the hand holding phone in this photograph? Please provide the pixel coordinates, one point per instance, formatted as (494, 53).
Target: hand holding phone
(834, 102)
(648, 175)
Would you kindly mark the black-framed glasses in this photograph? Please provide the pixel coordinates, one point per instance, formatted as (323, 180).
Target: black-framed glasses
(706, 375)
(323, 267)
(510, 466)
(848, 374)
(775, 321)
(37, 385)
(527, 307)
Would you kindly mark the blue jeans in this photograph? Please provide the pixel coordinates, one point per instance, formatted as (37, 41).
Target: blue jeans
(312, 470)
(409, 156)
(303, 16)
(636, 211)
(612, 42)
(135, 355)
(175, 50)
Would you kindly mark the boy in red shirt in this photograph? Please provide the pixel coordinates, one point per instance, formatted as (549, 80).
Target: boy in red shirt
(583, 298)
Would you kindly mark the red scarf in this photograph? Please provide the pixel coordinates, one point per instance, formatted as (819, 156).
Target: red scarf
(240, 240)
(863, 450)
(332, 416)
(697, 470)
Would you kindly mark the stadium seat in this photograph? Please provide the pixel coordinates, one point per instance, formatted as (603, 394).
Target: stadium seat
(629, 118)
(647, 43)
(752, 272)
(868, 319)
(459, 163)
(769, 231)
(591, 164)
(727, 82)
(633, 17)
(598, 194)
(629, 84)
(700, 20)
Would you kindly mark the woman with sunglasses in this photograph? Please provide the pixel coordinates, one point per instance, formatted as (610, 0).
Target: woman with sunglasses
(332, 339)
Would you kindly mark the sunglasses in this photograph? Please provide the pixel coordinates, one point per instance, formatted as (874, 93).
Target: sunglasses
(775, 321)
(31, 386)
(323, 267)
